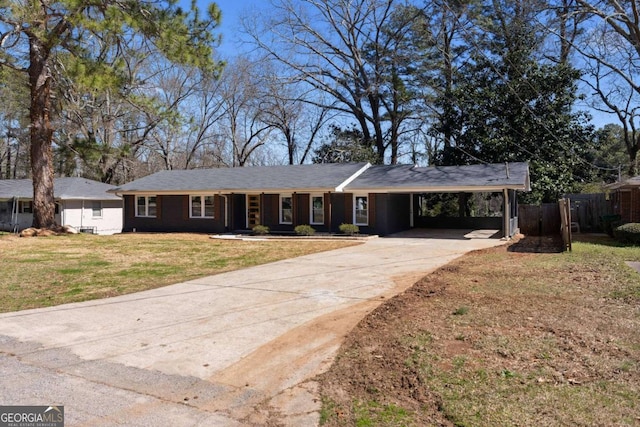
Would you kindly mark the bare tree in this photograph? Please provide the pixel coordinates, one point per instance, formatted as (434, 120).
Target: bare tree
(342, 48)
(192, 109)
(611, 49)
(241, 120)
(566, 24)
(295, 113)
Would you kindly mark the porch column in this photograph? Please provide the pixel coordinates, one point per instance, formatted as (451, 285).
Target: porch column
(411, 219)
(261, 217)
(225, 209)
(294, 209)
(330, 212)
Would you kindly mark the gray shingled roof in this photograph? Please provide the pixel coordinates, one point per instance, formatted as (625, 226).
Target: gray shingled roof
(255, 178)
(329, 177)
(63, 189)
(443, 178)
(628, 183)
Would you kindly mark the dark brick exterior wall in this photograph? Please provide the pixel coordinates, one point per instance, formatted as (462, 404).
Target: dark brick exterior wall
(173, 216)
(388, 213)
(626, 203)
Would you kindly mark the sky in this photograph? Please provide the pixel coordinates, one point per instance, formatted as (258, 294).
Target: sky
(232, 10)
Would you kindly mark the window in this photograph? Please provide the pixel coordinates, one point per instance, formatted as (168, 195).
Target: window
(26, 207)
(361, 210)
(286, 210)
(146, 206)
(317, 209)
(201, 206)
(96, 209)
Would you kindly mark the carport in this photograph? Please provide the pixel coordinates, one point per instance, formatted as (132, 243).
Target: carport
(402, 195)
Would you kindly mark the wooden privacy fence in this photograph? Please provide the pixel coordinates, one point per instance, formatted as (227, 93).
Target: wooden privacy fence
(547, 219)
(539, 220)
(587, 211)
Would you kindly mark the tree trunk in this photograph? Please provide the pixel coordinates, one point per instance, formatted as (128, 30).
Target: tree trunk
(41, 135)
(8, 171)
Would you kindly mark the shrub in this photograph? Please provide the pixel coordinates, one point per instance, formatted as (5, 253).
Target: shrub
(609, 222)
(628, 233)
(461, 311)
(260, 230)
(304, 230)
(349, 229)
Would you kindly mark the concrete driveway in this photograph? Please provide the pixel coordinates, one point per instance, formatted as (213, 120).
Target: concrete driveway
(239, 348)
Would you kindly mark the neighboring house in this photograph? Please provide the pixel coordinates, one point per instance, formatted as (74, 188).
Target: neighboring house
(625, 196)
(379, 199)
(81, 203)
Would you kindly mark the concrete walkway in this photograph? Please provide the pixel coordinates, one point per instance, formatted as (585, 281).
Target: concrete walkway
(238, 348)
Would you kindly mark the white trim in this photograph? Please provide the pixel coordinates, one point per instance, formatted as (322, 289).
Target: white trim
(203, 207)
(225, 205)
(355, 196)
(467, 189)
(280, 210)
(93, 209)
(21, 209)
(146, 206)
(311, 221)
(340, 188)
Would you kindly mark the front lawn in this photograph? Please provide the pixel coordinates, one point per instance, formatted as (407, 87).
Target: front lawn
(46, 271)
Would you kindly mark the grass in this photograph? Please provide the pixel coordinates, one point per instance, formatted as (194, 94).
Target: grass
(533, 371)
(512, 339)
(46, 271)
(374, 414)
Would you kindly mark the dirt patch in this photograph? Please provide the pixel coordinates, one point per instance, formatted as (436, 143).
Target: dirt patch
(514, 335)
(275, 391)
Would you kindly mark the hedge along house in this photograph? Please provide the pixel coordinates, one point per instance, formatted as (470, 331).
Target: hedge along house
(81, 203)
(379, 199)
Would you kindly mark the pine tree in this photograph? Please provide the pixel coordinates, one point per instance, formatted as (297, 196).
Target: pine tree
(55, 39)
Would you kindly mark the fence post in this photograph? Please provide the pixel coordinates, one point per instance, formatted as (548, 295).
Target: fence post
(565, 222)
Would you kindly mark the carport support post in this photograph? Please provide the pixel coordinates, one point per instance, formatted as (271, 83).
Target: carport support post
(506, 220)
(411, 219)
(330, 212)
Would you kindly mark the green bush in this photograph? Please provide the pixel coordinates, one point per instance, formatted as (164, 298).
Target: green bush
(349, 229)
(304, 230)
(628, 233)
(609, 222)
(260, 230)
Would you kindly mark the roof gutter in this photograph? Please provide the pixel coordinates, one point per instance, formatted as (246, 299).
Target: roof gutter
(426, 189)
(225, 191)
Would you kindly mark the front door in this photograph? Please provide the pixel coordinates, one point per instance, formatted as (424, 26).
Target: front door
(253, 210)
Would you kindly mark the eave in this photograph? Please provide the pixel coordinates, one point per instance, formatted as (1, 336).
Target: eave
(451, 189)
(225, 191)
